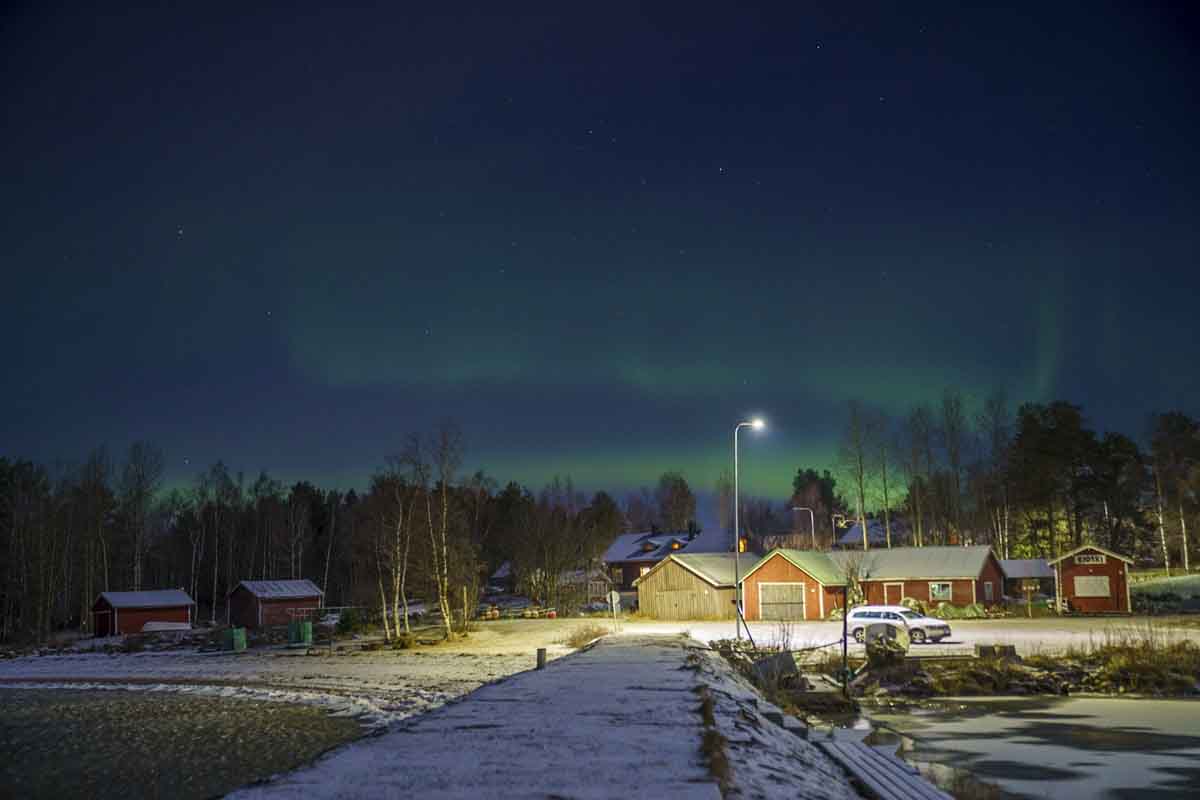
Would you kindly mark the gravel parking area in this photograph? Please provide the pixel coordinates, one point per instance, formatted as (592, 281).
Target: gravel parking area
(1029, 636)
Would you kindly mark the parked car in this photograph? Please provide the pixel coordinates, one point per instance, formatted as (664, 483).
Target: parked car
(920, 628)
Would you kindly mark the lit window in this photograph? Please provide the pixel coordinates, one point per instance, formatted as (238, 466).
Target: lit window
(939, 591)
(674, 545)
(643, 570)
(741, 545)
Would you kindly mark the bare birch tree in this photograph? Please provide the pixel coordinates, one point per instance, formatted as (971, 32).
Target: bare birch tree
(855, 455)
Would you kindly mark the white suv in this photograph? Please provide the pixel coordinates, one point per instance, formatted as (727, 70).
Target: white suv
(920, 629)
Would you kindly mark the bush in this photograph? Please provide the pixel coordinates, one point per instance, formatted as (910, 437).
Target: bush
(948, 611)
(835, 613)
(913, 603)
(584, 634)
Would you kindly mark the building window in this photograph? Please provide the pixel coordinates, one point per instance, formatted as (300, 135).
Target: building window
(643, 570)
(674, 545)
(741, 545)
(987, 592)
(939, 592)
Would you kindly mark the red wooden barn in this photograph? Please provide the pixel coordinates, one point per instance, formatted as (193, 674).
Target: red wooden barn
(257, 604)
(792, 585)
(126, 612)
(1093, 580)
(956, 575)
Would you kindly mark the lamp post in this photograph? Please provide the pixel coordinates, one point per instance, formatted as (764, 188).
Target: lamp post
(812, 520)
(757, 424)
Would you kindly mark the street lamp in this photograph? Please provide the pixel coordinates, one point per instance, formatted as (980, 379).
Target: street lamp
(812, 520)
(757, 424)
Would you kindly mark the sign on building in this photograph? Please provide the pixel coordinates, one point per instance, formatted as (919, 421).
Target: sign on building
(1091, 586)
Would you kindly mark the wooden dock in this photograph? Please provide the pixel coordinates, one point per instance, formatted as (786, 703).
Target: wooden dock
(879, 775)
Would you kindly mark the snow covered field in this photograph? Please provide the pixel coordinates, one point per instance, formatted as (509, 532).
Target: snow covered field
(379, 687)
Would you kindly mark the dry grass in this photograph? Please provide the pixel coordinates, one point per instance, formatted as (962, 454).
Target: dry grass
(1144, 658)
(712, 743)
(584, 634)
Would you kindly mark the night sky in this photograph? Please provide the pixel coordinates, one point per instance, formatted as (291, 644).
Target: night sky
(596, 239)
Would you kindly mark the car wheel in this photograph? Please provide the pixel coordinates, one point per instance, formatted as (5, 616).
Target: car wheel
(859, 636)
(917, 635)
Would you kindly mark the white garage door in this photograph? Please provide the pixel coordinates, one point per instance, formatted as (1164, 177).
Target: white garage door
(1092, 586)
(781, 601)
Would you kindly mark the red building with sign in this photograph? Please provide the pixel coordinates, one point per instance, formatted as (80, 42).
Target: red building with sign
(1092, 580)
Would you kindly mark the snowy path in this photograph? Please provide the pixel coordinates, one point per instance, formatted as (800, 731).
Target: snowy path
(618, 720)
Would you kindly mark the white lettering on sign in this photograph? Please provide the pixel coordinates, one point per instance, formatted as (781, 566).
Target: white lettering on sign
(1091, 558)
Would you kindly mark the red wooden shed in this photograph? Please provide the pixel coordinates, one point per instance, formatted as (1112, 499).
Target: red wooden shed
(792, 585)
(1092, 580)
(257, 604)
(116, 613)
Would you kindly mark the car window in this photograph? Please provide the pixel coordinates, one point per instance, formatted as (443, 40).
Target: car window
(910, 615)
(893, 615)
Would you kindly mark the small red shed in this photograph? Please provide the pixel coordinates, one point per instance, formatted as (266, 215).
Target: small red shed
(257, 604)
(1092, 580)
(116, 613)
(792, 585)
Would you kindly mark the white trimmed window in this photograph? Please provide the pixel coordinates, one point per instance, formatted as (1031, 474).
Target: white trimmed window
(939, 591)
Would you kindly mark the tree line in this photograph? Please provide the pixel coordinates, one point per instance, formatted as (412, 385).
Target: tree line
(1034, 483)
(420, 531)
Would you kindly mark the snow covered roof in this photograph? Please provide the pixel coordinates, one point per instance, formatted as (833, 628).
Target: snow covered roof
(282, 590)
(650, 547)
(156, 598)
(876, 533)
(915, 562)
(1026, 568)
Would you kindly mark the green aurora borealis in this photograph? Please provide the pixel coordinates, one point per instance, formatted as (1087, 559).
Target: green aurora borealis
(595, 240)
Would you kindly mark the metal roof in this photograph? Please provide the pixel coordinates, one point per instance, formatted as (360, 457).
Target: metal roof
(282, 590)
(1026, 568)
(876, 533)
(156, 598)
(816, 563)
(915, 563)
(715, 568)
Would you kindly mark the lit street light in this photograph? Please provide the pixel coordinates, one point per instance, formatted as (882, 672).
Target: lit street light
(757, 424)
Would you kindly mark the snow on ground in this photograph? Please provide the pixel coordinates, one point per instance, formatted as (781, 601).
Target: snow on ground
(767, 761)
(619, 719)
(379, 687)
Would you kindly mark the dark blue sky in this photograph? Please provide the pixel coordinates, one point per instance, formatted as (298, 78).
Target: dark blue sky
(596, 239)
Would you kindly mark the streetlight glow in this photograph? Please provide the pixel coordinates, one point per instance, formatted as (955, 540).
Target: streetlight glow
(757, 423)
